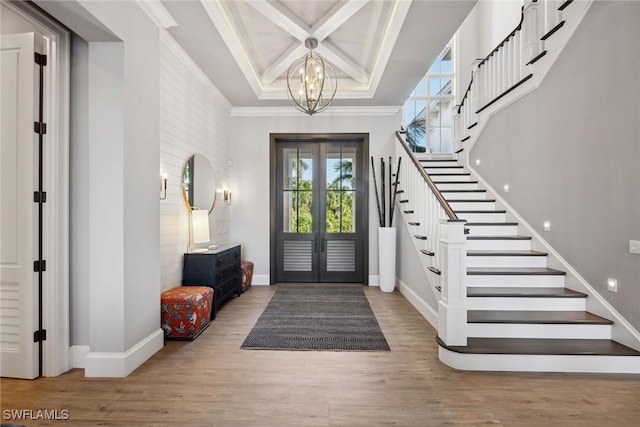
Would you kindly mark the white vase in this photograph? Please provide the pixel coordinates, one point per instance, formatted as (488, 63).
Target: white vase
(387, 258)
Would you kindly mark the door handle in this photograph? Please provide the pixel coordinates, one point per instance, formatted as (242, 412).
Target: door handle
(324, 245)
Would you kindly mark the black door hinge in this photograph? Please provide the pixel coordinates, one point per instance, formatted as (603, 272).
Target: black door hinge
(40, 128)
(40, 196)
(40, 59)
(40, 265)
(40, 335)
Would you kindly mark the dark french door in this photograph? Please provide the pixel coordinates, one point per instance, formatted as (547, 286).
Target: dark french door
(319, 226)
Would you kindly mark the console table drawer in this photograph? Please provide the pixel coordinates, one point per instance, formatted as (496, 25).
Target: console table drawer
(230, 258)
(218, 269)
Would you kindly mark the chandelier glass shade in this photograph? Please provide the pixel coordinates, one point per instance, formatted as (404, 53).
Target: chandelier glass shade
(311, 81)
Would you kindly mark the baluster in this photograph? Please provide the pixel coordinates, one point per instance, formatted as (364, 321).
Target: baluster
(490, 69)
(517, 61)
(501, 79)
(476, 99)
(485, 85)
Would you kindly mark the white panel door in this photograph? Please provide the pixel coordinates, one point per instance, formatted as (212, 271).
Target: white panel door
(18, 212)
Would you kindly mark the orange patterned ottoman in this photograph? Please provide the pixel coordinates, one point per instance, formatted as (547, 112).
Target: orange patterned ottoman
(186, 311)
(247, 271)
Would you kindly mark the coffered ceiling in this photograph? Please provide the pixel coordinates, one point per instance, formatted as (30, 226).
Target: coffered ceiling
(379, 48)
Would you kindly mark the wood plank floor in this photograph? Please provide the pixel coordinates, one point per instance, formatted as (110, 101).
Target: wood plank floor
(212, 382)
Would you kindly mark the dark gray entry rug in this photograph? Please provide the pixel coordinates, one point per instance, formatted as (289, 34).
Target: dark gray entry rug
(317, 317)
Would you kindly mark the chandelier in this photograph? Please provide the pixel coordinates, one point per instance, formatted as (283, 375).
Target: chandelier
(311, 81)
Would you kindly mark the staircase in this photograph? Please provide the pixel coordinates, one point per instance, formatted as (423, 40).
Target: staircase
(520, 316)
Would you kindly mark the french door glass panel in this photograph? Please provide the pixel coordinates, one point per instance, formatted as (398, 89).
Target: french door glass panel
(299, 240)
(319, 187)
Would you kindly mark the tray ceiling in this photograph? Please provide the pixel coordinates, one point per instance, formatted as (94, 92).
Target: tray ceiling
(379, 48)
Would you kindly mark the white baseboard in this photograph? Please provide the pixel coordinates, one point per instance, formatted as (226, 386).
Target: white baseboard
(423, 308)
(78, 355)
(260, 280)
(102, 364)
(374, 280)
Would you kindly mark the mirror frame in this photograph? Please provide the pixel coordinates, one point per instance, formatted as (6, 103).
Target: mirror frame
(185, 197)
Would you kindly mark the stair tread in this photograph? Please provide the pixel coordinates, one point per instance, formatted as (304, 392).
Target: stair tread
(557, 292)
(464, 191)
(543, 346)
(537, 317)
(482, 211)
(455, 182)
(491, 224)
(471, 200)
(450, 174)
(514, 271)
(443, 167)
(506, 253)
(499, 237)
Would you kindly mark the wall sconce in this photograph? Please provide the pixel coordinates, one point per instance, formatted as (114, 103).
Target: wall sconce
(199, 229)
(227, 197)
(163, 186)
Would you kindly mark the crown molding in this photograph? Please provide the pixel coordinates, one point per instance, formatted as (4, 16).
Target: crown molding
(158, 14)
(331, 111)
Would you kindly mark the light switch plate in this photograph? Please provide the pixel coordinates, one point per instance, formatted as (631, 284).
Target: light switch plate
(634, 246)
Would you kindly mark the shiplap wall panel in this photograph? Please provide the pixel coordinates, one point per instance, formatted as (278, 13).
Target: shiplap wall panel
(194, 118)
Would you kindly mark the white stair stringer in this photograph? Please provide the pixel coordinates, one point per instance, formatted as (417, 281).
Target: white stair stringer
(496, 248)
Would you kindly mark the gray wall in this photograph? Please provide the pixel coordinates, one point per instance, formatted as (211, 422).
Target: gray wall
(114, 176)
(570, 153)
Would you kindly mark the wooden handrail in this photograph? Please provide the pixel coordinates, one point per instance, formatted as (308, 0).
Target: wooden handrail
(486, 58)
(466, 93)
(511, 34)
(443, 202)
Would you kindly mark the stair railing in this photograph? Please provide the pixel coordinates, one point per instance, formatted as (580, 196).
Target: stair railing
(442, 239)
(508, 65)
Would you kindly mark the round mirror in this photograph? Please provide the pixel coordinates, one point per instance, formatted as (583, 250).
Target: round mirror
(198, 183)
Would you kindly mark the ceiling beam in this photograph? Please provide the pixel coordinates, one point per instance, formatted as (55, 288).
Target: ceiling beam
(281, 65)
(338, 59)
(335, 17)
(222, 23)
(282, 17)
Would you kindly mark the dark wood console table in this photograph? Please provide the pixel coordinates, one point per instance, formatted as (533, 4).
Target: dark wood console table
(217, 268)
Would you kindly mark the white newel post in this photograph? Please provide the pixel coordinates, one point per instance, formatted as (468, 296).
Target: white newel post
(476, 91)
(531, 43)
(457, 130)
(452, 308)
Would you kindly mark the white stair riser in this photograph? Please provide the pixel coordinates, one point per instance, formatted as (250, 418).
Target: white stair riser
(506, 261)
(480, 205)
(481, 217)
(539, 363)
(444, 170)
(518, 330)
(438, 163)
(492, 230)
(544, 281)
(492, 245)
(457, 178)
(457, 185)
(464, 195)
(532, 303)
